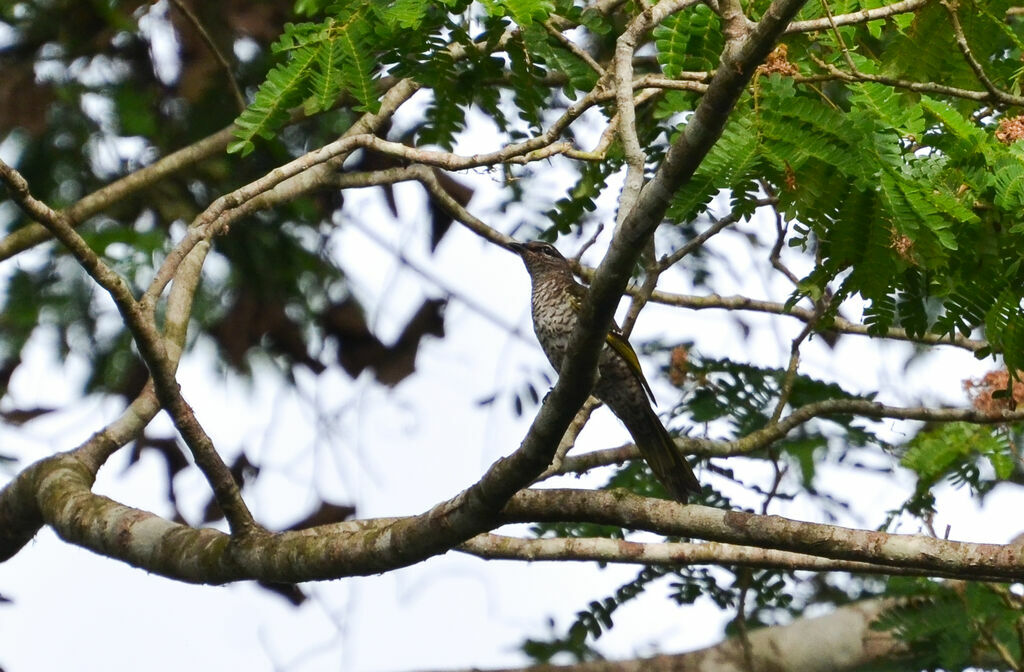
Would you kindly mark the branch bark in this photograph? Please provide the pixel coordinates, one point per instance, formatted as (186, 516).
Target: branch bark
(961, 559)
(841, 640)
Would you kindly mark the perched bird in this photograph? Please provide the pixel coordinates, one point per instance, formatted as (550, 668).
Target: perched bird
(621, 385)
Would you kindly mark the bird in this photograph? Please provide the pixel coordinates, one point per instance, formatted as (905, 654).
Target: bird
(556, 299)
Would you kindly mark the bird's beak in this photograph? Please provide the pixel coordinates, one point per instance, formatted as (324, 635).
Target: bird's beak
(517, 248)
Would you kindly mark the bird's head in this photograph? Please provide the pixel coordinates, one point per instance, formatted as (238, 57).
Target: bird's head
(541, 258)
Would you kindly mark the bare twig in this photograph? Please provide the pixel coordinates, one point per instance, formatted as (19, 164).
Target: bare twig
(599, 549)
(717, 225)
(999, 97)
(714, 301)
(568, 440)
(478, 308)
(775, 256)
(588, 243)
(579, 52)
(764, 437)
(217, 54)
(951, 8)
(791, 368)
(839, 36)
(863, 16)
(33, 234)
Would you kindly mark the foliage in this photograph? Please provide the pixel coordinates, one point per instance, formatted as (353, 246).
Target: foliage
(959, 452)
(894, 171)
(945, 623)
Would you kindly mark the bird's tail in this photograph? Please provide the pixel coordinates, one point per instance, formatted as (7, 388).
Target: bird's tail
(661, 454)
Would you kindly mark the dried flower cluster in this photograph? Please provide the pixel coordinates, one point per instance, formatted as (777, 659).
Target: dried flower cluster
(1010, 130)
(982, 392)
(790, 177)
(778, 61)
(679, 365)
(902, 244)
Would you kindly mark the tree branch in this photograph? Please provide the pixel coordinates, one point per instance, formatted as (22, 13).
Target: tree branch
(714, 301)
(151, 346)
(236, 91)
(600, 549)
(61, 486)
(765, 436)
(863, 16)
(35, 233)
(837, 642)
(739, 62)
(965, 48)
(622, 509)
(20, 515)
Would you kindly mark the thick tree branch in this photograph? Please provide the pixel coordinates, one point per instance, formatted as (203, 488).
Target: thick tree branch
(600, 549)
(61, 487)
(840, 641)
(151, 346)
(20, 516)
(952, 558)
(739, 61)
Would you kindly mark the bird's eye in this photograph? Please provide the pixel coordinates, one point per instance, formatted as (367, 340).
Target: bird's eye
(550, 251)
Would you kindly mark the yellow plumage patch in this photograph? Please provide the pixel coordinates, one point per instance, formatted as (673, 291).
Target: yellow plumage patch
(621, 345)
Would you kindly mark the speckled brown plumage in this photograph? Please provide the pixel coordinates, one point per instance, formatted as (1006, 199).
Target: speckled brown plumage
(620, 384)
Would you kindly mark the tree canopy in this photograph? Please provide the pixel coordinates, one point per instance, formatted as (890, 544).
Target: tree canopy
(177, 175)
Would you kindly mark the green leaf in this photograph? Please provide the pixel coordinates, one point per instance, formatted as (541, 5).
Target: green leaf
(690, 40)
(935, 453)
(322, 60)
(283, 89)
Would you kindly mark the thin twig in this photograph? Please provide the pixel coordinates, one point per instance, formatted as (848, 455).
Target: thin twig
(652, 271)
(965, 49)
(716, 227)
(862, 16)
(569, 438)
(587, 244)
(764, 437)
(839, 37)
(997, 96)
(789, 378)
(217, 54)
(839, 324)
(579, 52)
(775, 256)
(427, 275)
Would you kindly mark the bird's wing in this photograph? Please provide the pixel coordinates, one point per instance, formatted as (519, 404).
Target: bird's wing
(616, 341)
(620, 345)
